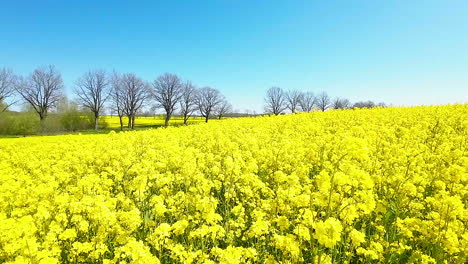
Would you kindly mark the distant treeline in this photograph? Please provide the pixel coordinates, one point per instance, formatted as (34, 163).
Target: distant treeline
(278, 101)
(127, 95)
(123, 94)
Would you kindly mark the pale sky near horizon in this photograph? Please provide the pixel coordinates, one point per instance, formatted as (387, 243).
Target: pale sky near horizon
(397, 52)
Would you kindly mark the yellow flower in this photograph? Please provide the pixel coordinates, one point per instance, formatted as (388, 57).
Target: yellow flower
(68, 234)
(357, 237)
(328, 233)
(179, 227)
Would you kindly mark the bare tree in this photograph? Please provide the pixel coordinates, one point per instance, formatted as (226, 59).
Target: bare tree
(223, 108)
(42, 89)
(187, 101)
(207, 100)
(293, 97)
(275, 101)
(7, 88)
(323, 101)
(307, 102)
(364, 104)
(382, 104)
(117, 97)
(134, 93)
(341, 103)
(92, 90)
(167, 91)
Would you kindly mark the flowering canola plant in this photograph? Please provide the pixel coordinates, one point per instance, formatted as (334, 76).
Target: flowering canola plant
(385, 185)
(148, 121)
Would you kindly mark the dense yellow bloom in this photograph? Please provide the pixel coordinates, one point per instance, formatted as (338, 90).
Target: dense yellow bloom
(179, 227)
(385, 185)
(234, 255)
(356, 237)
(328, 233)
(287, 244)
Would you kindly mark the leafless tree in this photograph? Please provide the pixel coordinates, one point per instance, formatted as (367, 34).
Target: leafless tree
(364, 104)
(134, 93)
(323, 101)
(7, 88)
(341, 103)
(187, 101)
(382, 104)
(167, 91)
(223, 108)
(275, 101)
(92, 90)
(207, 100)
(42, 89)
(117, 97)
(307, 102)
(293, 97)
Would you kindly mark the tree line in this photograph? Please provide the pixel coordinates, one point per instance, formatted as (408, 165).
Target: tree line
(277, 101)
(124, 93)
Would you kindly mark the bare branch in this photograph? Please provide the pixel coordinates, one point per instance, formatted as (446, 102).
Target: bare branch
(42, 89)
(307, 102)
(223, 108)
(323, 101)
(340, 103)
(133, 92)
(167, 91)
(92, 90)
(365, 104)
(293, 97)
(275, 101)
(187, 101)
(117, 96)
(206, 100)
(7, 88)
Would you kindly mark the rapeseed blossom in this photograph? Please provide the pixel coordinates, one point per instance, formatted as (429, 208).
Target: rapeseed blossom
(328, 233)
(384, 185)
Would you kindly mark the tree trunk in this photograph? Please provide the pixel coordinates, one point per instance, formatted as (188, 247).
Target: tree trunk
(133, 121)
(42, 118)
(42, 126)
(96, 122)
(206, 119)
(185, 119)
(121, 122)
(129, 125)
(166, 121)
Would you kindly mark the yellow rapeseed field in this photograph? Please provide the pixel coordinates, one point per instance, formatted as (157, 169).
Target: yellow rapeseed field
(387, 185)
(148, 121)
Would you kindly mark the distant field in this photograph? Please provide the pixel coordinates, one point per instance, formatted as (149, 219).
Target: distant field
(28, 125)
(150, 121)
(107, 124)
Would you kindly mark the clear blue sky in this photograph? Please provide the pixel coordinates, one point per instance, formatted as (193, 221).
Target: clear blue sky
(399, 52)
